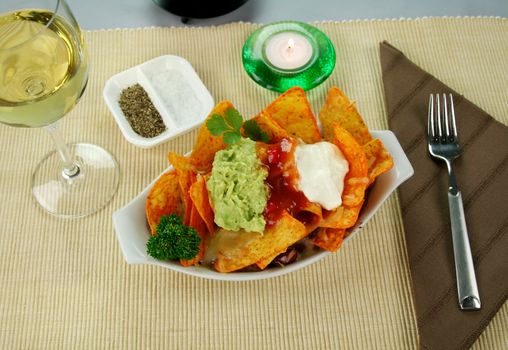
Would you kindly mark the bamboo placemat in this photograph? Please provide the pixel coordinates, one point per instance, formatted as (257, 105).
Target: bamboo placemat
(64, 283)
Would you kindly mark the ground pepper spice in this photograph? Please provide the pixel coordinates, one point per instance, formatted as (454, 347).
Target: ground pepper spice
(140, 112)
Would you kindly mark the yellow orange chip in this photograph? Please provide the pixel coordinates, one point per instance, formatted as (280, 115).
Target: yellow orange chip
(342, 217)
(331, 219)
(356, 180)
(275, 240)
(199, 196)
(380, 161)
(338, 109)
(292, 112)
(206, 144)
(310, 214)
(263, 263)
(267, 124)
(199, 225)
(329, 238)
(186, 177)
(164, 198)
(349, 216)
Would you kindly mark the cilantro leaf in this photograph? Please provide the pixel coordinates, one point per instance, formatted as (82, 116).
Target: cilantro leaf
(231, 137)
(216, 125)
(234, 119)
(230, 127)
(253, 131)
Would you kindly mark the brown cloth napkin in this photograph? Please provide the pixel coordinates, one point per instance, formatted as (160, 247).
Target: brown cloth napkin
(482, 175)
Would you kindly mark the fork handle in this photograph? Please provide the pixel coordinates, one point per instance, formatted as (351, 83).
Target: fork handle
(469, 298)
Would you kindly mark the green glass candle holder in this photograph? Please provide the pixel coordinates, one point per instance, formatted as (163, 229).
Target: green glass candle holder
(261, 63)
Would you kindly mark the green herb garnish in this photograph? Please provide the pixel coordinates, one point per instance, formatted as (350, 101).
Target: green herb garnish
(173, 240)
(254, 132)
(229, 127)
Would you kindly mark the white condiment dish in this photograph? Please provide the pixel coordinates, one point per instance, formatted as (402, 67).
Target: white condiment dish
(175, 90)
(133, 232)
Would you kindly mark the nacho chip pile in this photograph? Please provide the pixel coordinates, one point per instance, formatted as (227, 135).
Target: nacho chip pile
(182, 191)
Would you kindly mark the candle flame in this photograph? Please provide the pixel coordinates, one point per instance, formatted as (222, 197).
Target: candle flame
(291, 44)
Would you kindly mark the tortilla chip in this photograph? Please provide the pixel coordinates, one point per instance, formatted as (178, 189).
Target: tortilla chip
(164, 198)
(267, 124)
(339, 109)
(186, 177)
(342, 217)
(329, 238)
(263, 263)
(200, 200)
(380, 161)
(356, 180)
(311, 214)
(349, 216)
(275, 240)
(199, 225)
(206, 144)
(292, 112)
(331, 219)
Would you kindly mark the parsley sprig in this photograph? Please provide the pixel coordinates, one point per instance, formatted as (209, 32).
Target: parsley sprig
(229, 127)
(173, 240)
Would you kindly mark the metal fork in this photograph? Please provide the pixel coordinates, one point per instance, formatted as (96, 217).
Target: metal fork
(443, 144)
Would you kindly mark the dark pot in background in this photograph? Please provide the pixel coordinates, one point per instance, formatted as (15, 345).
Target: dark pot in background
(200, 8)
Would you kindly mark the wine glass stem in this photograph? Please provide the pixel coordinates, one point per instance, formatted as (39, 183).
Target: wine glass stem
(70, 167)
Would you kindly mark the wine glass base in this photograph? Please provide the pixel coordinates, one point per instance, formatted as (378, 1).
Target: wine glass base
(80, 195)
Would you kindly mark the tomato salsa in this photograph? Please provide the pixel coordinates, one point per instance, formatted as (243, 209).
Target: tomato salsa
(282, 179)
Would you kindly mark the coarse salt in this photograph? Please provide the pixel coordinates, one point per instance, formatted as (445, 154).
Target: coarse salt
(177, 96)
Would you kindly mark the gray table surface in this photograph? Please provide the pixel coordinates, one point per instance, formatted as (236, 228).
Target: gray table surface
(102, 14)
(106, 14)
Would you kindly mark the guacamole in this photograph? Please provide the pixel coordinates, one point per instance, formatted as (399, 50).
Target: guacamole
(237, 188)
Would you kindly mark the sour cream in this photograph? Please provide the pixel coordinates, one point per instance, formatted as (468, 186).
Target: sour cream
(322, 168)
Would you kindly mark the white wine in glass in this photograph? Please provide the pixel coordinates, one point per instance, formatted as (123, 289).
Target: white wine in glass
(43, 73)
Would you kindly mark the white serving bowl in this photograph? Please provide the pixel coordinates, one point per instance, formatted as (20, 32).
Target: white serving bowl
(178, 70)
(133, 232)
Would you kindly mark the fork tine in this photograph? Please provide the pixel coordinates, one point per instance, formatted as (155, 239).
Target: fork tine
(439, 120)
(446, 120)
(453, 124)
(430, 121)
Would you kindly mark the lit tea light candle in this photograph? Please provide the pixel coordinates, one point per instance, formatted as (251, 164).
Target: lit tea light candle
(288, 50)
(284, 54)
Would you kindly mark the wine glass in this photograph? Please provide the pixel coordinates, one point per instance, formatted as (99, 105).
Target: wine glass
(43, 73)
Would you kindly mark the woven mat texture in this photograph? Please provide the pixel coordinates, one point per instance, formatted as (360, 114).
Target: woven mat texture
(64, 283)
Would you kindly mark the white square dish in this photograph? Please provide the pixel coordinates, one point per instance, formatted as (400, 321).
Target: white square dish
(175, 90)
(132, 229)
